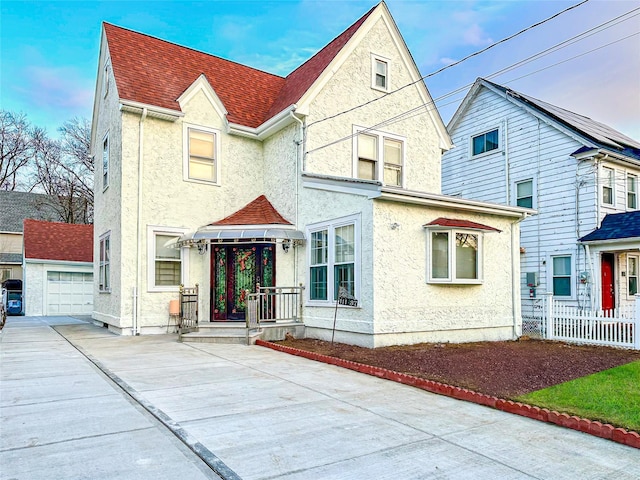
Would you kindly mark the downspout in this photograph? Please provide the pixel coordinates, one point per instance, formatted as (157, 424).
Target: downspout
(507, 192)
(515, 277)
(299, 167)
(138, 285)
(594, 299)
(538, 181)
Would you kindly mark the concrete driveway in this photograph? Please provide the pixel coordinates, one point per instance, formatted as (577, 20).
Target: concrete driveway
(79, 402)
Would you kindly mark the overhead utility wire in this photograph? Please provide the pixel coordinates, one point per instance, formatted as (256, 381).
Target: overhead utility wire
(416, 110)
(452, 64)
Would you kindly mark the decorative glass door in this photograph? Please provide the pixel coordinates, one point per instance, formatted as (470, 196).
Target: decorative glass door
(235, 271)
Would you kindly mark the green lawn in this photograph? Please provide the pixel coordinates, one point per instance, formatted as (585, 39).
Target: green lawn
(611, 396)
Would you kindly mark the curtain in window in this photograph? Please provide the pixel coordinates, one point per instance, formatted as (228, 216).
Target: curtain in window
(440, 255)
(466, 256)
(168, 262)
(562, 276)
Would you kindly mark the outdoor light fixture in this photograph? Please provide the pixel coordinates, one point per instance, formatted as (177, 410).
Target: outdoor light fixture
(286, 243)
(202, 248)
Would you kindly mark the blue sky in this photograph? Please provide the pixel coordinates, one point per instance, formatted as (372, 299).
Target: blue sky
(49, 49)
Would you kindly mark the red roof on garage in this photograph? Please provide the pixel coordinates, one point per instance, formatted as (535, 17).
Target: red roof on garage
(58, 241)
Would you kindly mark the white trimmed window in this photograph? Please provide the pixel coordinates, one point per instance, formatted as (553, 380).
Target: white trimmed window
(378, 156)
(632, 274)
(201, 154)
(104, 272)
(5, 273)
(380, 73)
(632, 192)
(608, 182)
(561, 275)
(454, 256)
(334, 259)
(485, 142)
(524, 193)
(168, 264)
(105, 80)
(105, 162)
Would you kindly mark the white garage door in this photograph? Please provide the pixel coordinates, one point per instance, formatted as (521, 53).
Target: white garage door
(69, 293)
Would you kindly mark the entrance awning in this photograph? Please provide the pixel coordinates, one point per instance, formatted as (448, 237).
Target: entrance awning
(257, 234)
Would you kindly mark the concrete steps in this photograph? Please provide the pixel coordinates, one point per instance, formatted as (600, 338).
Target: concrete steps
(236, 332)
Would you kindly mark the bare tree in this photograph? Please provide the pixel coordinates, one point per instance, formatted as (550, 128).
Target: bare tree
(17, 148)
(64, 170)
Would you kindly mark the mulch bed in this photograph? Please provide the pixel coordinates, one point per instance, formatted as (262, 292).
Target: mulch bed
(501, 369)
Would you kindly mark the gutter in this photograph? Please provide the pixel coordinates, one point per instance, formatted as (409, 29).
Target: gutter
(268, 128)
(450, 202)
(138, 285)
(150, 110)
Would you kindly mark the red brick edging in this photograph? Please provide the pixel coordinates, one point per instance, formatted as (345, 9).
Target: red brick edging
(619, 435)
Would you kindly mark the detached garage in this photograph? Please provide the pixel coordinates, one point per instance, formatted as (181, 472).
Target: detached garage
(58, 268)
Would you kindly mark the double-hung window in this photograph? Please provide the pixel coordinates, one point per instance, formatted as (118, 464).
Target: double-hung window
(632, 274)
(334, 259)
(105, 162)
(201, 162)
(379, 73)
(454, 256)
(608, 178)
(524, 193)
(632, 192)
(104, 273)
(379, 156)
(167, 262)
(485, 142)
(561, 275)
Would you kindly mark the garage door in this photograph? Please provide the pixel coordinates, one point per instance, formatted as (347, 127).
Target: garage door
(69, 293)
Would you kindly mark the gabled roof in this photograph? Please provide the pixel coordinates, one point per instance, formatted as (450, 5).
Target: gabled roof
(58, 241)
(458, 223)
(155, 72)
(15, 207)
(599, 134)
(258, 212)
(616, 226)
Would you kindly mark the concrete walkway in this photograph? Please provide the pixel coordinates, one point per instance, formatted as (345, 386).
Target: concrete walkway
(252, 413)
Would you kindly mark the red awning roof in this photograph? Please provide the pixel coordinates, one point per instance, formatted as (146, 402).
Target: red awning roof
(58, 241)
(258, 212)
(456, 223)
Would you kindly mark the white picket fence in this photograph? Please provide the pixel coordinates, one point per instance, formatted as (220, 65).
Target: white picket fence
(617, 328)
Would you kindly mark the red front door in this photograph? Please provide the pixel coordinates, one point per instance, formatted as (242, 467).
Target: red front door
(608, 287)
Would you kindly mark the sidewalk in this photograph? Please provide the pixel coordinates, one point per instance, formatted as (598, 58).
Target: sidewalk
(254, 414)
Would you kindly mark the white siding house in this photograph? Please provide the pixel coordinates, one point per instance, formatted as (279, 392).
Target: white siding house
(517, 150)
(288, 181)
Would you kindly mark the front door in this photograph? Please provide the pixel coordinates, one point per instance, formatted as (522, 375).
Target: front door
(235, 271)
(608, 286)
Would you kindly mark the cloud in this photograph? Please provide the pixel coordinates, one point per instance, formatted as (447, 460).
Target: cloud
(56, 87)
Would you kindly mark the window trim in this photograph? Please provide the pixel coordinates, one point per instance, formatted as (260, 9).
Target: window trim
(104, 274)
(331, 226)
(572, 280)
(105, 80)
(152, 231)
(534, 203)
(186, 157)
(487, 152)
(6, 268)
(106, 161)
(635, 192)
(375, 59)
(451, 257)
(636, 276)
(609, 181)
(380, 163)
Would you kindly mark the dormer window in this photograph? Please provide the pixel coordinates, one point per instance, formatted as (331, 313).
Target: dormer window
(379, 73)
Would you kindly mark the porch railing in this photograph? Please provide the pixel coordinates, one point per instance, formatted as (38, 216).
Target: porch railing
(188, 321)
(274, 304)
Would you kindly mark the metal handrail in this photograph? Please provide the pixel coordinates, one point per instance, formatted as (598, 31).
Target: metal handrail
(274, 304)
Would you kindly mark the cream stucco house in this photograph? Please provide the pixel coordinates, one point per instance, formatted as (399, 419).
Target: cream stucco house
(217, 174)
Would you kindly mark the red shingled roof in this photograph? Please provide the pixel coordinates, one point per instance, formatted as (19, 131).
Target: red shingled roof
(156, 72)
(455, 223)
(258, 212)
(58, 241)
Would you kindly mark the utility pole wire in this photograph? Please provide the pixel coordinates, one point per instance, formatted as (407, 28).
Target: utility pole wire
(453, 64)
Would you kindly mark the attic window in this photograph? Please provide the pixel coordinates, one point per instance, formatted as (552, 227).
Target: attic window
(379, 73)
(485, 142)
(201, 155)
